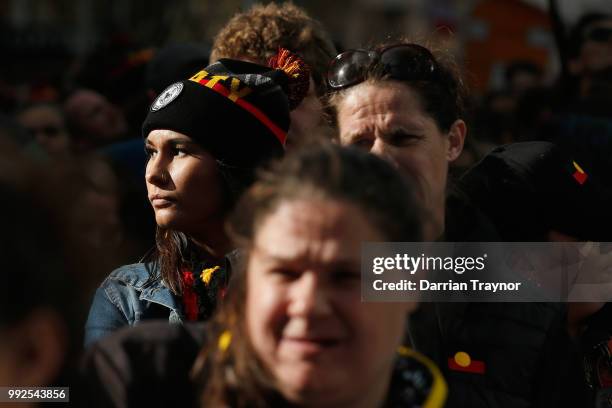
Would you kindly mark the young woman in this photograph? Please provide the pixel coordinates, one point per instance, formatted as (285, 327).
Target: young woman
(204, 137)
(293, 330)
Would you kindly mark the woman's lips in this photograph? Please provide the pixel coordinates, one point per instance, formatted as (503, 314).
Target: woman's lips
(162, 202)
(310, 346)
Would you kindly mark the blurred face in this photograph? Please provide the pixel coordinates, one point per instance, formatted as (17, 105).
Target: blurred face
(304, 313)
(96, 116)
(183, 183)
(96, 219)
(47, 127)
(387, 119)
(7, 357)
(596, 51)
(32, 352)
(524, 81)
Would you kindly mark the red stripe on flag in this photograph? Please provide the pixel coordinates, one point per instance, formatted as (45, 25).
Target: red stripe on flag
(476, 367)
(580, 177)
(280, 134)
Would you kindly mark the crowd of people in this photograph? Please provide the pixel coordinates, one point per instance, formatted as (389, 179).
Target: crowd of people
(198, 242)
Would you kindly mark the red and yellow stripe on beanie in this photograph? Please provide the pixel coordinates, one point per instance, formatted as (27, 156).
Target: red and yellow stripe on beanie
(238, 111)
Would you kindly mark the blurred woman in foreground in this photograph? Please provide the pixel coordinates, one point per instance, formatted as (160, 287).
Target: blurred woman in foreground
(293, 330)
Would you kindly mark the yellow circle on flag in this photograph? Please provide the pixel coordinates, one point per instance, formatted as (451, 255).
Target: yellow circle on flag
(462, 359)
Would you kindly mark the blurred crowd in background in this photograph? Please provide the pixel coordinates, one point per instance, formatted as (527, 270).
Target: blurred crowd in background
(78, 77)
(96, 62)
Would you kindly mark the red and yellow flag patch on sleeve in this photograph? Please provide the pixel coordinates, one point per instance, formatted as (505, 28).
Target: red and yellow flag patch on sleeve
(462, 361)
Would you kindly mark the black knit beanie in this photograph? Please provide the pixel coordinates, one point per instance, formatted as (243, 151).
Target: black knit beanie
(238, 111)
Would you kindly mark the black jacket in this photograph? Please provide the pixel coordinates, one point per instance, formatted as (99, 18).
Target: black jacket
(143, 366)
(523, 354)
(148, 366)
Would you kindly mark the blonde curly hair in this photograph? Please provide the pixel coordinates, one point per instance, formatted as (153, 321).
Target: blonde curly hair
(257, 33)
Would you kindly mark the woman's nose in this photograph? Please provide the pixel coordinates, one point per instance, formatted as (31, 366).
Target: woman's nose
(309, 298)
(156, 172)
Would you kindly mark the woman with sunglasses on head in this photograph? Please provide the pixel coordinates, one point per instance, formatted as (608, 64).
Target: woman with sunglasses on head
(405, 104)
(402, 103)
(204, 136)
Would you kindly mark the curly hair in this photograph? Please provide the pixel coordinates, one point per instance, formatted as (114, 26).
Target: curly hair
(257, 34)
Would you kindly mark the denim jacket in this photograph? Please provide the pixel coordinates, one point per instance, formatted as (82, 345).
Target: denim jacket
(127, 296)
(130, 295)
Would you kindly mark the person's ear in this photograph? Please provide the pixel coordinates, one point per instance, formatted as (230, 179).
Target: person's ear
(456, 138)
(40, 349)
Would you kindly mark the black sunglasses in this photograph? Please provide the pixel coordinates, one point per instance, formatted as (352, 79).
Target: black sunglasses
(599, 34)
(403, 62)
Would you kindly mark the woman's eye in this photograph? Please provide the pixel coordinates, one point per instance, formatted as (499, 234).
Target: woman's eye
(179, 151)
(285, 274)
(150, 152)
(401, 138)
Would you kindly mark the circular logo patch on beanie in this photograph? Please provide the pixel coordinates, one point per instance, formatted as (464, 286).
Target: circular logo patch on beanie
(168, 95)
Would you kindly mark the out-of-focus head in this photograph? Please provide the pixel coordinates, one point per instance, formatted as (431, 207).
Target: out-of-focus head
(256, 35)
(590, 44)
(33, 340)
(296, 318)
(522, 75)
(330, 172)
(406, 105)
(45, 122)
(96, 215)
(12, 132)
(38, 300)
(93, 120)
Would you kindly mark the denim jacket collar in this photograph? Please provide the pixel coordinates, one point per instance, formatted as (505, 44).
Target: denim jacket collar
(159, 293)
(154, 290)
(151, 289)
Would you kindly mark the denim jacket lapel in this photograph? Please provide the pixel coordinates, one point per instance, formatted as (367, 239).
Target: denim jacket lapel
(160, 294)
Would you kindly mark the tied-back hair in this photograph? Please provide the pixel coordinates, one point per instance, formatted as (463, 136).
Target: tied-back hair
(234, 375)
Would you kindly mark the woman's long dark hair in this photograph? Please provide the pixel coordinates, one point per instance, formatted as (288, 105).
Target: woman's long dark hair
(170, 257)
(234, 376)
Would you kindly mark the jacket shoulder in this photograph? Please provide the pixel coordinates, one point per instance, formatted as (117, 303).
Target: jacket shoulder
(136, 275)
(144, 365)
